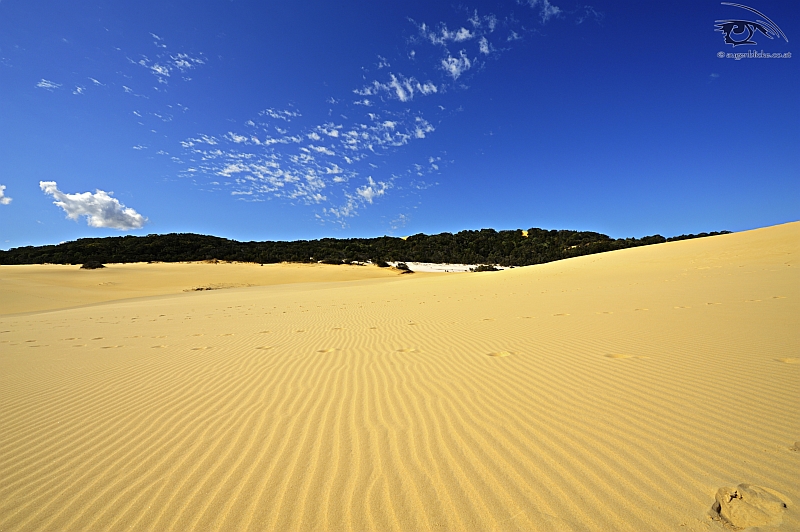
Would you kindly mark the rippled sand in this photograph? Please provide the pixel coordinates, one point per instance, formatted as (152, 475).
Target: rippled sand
(621, 391)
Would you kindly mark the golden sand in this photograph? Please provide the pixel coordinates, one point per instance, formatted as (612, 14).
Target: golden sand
(654, 388)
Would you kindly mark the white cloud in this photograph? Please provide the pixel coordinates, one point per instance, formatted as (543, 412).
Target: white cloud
(184, 62)
(335, 169)
(398, 87)
(79, 90)
(282, 115)
(488, 21)
(203, 139)
(4, 200)
(589, 12)
(100, 209)
(165, 63)
(48, 85)
(349, 209)
(238, 139)
(443, 35)
(372, 190)
(484, 46)
(399, 222)
(546, 9)
(322, 149)
(455, 66)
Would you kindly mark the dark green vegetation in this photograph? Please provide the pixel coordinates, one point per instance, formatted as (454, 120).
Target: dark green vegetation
(487, 246)
(403, 267)
(484, 268)
(92, 265)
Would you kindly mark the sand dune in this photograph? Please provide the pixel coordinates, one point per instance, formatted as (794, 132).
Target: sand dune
(646, 389)
(41, 287)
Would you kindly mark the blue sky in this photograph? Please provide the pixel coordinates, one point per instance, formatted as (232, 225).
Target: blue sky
(266, 120)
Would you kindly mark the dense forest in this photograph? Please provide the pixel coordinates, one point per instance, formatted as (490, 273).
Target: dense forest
(487, 246)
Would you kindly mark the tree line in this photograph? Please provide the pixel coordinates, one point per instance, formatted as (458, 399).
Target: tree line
(485, 246)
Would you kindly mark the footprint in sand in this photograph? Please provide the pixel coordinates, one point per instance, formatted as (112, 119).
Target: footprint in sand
(110, 346)
(713, 303)
(778, 297)
(622, 355)
(264, 347)
(748, 505)
(200, 348)
(373, 328)
(67, 339)
(227, 334)
(752, 300)
(98, 338)
(262, 332)
(29, 341)
(562, 314)
(157, 346)
(527, 317)
(681, 307)
(406, 350)
(488, 319)
(641, 309)
(789, 360)
(79, 345)
(300, 330)
(325, 350)
(501, 354)
(604, 312)
(199, 334)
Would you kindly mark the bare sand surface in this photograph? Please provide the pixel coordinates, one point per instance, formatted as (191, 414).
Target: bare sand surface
(53, 286)
(653, 388)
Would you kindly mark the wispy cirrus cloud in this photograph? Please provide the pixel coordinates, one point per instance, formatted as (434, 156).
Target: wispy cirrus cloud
(165, 65)
(588, 13)
(455, 66)
(336, 164)
(544, 7)
(308, 164)
(398, 87)
(442, 35)
(99, 208)
(48, 85)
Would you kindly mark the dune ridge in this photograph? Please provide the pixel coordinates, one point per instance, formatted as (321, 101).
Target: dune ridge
(618, 391)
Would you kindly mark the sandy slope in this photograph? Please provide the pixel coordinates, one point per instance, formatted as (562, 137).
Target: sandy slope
(51, 286)
(610, 392)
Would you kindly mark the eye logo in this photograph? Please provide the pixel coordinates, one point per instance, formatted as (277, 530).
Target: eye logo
(739, 32)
